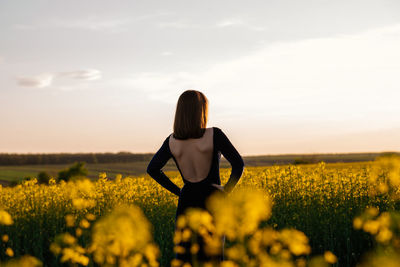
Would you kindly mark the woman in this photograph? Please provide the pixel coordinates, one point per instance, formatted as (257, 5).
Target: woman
(196, 151)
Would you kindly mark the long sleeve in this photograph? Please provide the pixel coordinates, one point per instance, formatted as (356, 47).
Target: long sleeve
(233, 156)
(154, 169)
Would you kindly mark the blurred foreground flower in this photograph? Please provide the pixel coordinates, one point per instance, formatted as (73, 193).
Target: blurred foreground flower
(124, 237)
(385, 226)
(67, 245)
(195, 238)
(240, 213)
(121, 238)
(238, 216)
(385, 176)
(5, 218)
(24, 261)
(330, 257)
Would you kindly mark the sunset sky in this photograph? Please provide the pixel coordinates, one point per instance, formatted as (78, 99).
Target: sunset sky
(281, 76)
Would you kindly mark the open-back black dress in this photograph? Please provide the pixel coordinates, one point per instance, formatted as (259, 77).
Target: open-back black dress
(194, 194)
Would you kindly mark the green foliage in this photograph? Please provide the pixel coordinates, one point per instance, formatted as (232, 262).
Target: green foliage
(27, 178)
(13, 183)
(76, 170)
(43, 177)
(298, 161)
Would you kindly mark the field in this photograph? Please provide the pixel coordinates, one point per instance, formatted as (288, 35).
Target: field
(17, 171)
(329, 203)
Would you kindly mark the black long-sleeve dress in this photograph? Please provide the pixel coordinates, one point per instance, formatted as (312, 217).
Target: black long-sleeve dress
(194, 194)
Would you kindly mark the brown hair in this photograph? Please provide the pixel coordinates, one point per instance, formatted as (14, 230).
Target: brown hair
(191, 115)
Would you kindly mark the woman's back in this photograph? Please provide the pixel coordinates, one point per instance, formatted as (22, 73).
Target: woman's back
(194, 156)
(220, 145)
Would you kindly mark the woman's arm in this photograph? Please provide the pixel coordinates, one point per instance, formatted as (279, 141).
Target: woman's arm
(232, 155)
(154, 169)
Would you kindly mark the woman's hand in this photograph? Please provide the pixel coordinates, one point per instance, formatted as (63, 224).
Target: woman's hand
(220, 187)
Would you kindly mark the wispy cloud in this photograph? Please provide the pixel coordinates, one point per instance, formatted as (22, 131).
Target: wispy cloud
(229, 22)
(179, 24)
(225, 23)
(235, 22)
(89, 74)
(46, 79)
(166, 53)
(156, 14)
(91, 23)
(38, 81)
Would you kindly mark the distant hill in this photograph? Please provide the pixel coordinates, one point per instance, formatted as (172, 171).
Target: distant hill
(7, 159)
(312, 158)
(65, 158)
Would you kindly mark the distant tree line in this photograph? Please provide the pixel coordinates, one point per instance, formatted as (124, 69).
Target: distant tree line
(66, 158)
(123, 157)
(75, 171)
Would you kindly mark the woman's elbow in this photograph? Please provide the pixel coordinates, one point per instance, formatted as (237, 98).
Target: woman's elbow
(150, 170)
(241, 163)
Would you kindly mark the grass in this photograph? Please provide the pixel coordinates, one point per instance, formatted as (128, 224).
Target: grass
(17, 173)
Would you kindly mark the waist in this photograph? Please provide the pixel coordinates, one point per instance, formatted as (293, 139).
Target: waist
(197, 188)
(204, 182)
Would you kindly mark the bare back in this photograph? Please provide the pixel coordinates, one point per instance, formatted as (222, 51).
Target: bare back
(194, 155)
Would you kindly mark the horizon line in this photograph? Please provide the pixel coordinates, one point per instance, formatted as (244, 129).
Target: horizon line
(243, 154)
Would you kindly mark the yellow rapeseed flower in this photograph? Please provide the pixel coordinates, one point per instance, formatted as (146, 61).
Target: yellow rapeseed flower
(24, 261)
(5, 218)
(330, 257)
(384, 235)
(9, 252)
(5, 238)
(78, 232)
(84, 224)
(120, 234)
(70, 220)
(68, 239)
(90, 216)
(194, 248)
(240, 213)
(176, 263)
(228, 264)
(371, 227)
(357, 223)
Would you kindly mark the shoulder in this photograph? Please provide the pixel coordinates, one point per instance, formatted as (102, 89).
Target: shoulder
(217, 131)
(169, 137)
(166, 141)
(219, 135)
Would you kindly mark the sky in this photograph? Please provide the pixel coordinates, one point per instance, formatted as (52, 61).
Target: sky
(281, 76)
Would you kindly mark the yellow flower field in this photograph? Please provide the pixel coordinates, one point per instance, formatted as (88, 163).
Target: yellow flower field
(292, 215)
